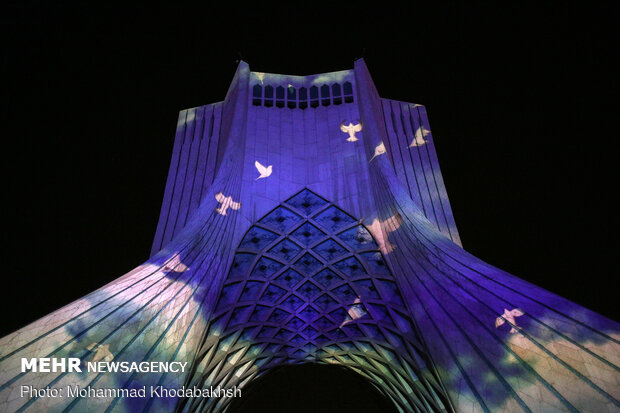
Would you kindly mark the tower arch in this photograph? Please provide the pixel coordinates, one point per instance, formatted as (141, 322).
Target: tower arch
(308, 284)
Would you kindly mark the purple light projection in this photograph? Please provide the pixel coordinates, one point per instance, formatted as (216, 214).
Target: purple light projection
(291, 235)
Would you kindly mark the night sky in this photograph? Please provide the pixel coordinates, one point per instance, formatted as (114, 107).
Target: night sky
(520, 102)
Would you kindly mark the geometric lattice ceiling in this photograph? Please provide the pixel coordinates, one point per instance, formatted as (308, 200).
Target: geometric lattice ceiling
(309, 284)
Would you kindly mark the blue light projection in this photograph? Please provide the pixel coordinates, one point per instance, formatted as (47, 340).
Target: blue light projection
(313, 307)
(290, 235)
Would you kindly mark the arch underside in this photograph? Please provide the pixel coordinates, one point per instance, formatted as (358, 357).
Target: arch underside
(308, 284)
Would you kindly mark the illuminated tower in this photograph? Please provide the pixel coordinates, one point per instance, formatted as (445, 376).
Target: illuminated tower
(305, 220)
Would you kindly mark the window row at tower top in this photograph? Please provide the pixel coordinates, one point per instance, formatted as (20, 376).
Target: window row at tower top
(302, 97)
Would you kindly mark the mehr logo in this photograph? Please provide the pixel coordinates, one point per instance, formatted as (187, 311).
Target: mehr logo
(51, 365)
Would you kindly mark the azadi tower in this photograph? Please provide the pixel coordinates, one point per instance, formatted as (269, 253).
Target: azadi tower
(305, 220)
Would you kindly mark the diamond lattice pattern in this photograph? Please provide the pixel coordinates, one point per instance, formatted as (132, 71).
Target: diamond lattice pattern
(309, 284)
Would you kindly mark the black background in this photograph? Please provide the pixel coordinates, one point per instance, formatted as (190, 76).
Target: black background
(520, 100)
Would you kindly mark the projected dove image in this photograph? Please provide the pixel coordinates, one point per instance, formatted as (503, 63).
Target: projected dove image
(351, 129)
(226, 202)
(379, 150)
(510, 317)
(378, 227)
(262, 170)
(100, 352)
(175, 265)
(418, 139)
(354, 312)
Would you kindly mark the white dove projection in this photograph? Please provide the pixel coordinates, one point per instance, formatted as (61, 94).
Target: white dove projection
(510, 317)
(418, 139)
(355, 311)
(390, 225)
(379, 150)
(226, 202)
(264, 172)
(102, 353)
(351, 129)
(175, 265)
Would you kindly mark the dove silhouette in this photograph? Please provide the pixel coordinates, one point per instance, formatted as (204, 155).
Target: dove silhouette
(390, 225)
(355, 311)
(102, 352)
(351, 129)
(226, 202)
(510, 317)
(264, 172)
(418, 139)
(175, 265)
(379, 150)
